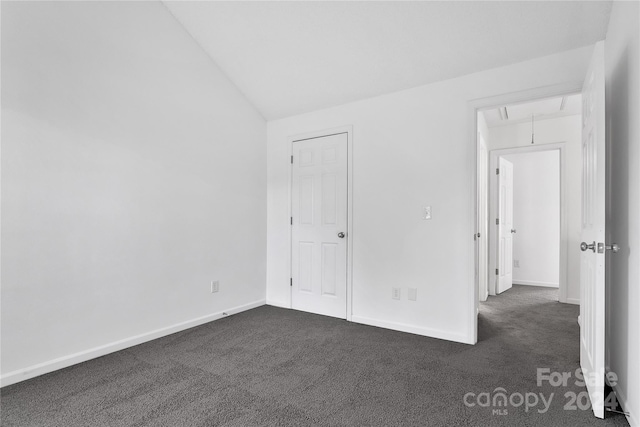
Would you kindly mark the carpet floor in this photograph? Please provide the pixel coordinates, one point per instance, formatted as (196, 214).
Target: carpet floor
(275, 367)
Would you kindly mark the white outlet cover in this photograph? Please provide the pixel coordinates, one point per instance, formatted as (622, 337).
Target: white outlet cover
(396, 293)
(215, 286)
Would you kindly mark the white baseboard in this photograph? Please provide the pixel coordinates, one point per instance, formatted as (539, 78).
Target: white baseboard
(403, 327)
(632, 417)
(277, 304)
(575, 301)
(72, 359)
(534, 283)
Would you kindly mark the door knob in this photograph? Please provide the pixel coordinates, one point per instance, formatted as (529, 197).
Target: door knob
(513, 230)
(584, 246)
(613, 248)
(341, 235)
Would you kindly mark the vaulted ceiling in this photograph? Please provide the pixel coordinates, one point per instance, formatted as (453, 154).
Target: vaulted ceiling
(294, 57)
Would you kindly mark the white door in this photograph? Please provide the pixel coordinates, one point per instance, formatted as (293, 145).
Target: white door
(504, 275)
(482, 258)
(592, 273)
(319, 226)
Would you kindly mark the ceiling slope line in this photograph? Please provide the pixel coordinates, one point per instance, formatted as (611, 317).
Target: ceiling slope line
(214, 62)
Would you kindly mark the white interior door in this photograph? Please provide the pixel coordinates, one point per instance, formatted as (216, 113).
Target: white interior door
(592, 265)
(482, 247)
(504, 275)
(319, 226)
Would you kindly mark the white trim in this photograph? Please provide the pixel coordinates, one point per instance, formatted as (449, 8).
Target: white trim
(83, 356)
(348, 129)
(417, 330)
(279, 304)
(575, 301)
(534, 283)
(473, 106)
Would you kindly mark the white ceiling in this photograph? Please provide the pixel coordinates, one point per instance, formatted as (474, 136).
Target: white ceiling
(293, 57)
(543, 109)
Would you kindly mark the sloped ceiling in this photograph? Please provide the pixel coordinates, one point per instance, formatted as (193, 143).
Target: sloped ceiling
(294, 57)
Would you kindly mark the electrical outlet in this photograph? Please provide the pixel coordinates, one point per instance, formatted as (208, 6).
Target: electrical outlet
(395, 293)
(215, 286)
(426, 213)
(516, 263)
(413, 294)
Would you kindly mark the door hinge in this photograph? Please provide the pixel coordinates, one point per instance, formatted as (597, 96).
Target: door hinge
(291, 220)
(291, 282)
(497, 273)
(497, 171)
(497, 221)
(291, 159)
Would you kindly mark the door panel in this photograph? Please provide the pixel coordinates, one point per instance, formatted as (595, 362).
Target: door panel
(592, 258)
(505, 218)
(319, 214)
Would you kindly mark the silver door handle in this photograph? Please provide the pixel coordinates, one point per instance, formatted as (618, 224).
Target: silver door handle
(613, 248)
(341, 235)
(584, 246)
(513, 230)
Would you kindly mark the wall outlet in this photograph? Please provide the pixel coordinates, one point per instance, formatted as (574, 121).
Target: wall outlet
(426, 212)
(413, 294)
(396, 293)
(516, 263)
(215, 286)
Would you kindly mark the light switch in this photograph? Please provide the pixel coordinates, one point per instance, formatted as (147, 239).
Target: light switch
(426, 213)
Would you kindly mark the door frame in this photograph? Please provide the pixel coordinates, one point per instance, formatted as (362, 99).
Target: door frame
(474, 106)
(348, 129)
(494, 155)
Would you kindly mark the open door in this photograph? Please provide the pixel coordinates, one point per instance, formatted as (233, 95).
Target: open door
(504, 273)
(592, 262)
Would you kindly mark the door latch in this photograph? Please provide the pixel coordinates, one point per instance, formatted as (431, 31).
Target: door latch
(613, 248)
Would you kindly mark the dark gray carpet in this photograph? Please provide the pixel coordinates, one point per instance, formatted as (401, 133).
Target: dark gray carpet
(271, 366)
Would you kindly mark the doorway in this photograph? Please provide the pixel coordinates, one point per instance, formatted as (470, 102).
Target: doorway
(543, 139)
(528, 208)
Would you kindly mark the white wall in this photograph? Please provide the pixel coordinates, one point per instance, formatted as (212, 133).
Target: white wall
(133, 173)
(568, 130)
(411, 148)
(536, 218)
(622, 63)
